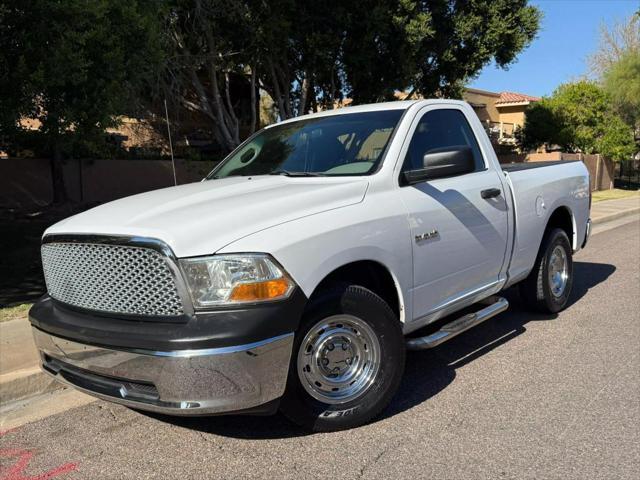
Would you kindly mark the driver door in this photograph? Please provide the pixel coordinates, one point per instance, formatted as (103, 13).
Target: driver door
(459, 237)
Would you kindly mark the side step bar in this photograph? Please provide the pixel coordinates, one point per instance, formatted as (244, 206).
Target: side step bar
(495, 305)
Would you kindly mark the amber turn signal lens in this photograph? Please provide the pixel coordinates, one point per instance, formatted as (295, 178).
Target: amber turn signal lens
(254, 292)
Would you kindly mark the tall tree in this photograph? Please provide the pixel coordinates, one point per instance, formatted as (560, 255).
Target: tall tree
(72, 66)
(434, 47)
(218, 55)
(622, 83)
(286, 48)
(615, 41)
(310, 55)
(616, 65)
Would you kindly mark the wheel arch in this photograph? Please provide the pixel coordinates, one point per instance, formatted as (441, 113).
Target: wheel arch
(563, 218)
(372, 275)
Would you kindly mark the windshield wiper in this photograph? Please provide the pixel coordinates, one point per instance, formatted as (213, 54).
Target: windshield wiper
(287, 173)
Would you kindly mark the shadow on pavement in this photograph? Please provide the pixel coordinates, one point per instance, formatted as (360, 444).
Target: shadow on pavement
(587, 275)
(426, 374)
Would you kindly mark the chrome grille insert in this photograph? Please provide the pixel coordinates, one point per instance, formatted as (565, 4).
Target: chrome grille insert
(110, 278)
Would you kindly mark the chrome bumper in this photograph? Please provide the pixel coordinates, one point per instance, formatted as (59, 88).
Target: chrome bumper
(587, 234)
(183, 382)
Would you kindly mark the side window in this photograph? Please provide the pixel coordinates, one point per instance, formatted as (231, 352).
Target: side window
(438, 130)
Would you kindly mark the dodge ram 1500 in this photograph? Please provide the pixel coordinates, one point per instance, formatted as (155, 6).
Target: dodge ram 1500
(296, 275)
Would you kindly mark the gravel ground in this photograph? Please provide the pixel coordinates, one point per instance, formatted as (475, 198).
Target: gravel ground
(521, 396)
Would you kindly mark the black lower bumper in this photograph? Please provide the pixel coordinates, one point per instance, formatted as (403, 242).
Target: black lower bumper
(215, 329)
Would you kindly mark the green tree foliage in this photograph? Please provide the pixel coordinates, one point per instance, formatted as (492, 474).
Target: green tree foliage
(616, 64)
(579, 118)
(622, 83)
(72, 66)
(432, 47)
(76, 65)
(310, 55)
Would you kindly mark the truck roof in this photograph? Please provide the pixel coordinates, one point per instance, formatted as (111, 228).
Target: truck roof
(371, 107)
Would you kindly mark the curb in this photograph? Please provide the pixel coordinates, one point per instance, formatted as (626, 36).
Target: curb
(616, 216)
(25, 383)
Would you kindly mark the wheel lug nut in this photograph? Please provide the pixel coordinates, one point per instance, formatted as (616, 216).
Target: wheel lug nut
(331, 346)
(325, 361)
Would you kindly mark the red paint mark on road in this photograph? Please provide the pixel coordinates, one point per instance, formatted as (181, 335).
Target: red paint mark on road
(17, 470)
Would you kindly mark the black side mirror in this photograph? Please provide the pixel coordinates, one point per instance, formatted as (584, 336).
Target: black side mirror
(248, 155)
(443, 162)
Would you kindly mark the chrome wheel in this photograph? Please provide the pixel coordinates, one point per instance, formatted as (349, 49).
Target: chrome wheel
(338, 359)
(558, 271)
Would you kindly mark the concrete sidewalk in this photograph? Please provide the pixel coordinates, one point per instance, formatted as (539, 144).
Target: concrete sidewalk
(607, 210)
(20, 374)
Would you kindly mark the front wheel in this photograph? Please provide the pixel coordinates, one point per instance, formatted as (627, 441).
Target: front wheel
(548, 286)
(347, 361)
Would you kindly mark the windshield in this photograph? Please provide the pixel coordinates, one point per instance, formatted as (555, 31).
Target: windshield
(348, 144)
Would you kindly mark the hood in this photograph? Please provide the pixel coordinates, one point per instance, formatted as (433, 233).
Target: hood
(201, 218)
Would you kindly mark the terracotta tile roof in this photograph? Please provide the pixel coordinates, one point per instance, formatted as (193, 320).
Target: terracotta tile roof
(512, 97)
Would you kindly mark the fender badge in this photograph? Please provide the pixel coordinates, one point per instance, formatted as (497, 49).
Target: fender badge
(427, 236)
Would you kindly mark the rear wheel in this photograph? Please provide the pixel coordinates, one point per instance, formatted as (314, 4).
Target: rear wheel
(347, 361)
(548, 286)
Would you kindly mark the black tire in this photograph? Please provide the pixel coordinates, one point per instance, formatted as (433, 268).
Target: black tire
(308, 412)
(536, 289)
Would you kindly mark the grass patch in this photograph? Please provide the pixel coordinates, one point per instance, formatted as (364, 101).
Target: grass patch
(14, 313)
(614, 194)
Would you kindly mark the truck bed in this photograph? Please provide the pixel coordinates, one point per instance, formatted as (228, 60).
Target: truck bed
(537, 193)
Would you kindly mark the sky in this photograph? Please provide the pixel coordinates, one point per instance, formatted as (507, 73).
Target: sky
(569, 33)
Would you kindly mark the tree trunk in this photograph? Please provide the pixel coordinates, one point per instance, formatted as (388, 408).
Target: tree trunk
(278, 95)
(254, 102)
(304, 94)
(231, 111)
(57, 177)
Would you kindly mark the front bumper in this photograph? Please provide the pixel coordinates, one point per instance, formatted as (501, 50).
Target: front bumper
(177, 382)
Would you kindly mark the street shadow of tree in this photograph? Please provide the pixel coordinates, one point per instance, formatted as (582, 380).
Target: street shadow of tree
(21, 276)
(427, 372)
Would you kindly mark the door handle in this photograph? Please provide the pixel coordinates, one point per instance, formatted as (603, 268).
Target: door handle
(490, 193)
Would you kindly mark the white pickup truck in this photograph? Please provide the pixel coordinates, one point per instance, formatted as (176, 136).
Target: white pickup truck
(293, 276)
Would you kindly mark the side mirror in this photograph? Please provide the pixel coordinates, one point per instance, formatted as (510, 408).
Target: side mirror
(443, 162)
(247, 156)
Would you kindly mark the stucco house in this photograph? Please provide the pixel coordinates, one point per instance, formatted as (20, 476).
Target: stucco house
(502, 113)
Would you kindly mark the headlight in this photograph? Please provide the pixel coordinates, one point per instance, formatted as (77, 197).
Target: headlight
(233, 279)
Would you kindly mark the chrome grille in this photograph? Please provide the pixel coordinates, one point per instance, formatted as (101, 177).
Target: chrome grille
(111, 278)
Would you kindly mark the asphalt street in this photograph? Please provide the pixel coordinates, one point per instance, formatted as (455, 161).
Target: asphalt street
(521, 396)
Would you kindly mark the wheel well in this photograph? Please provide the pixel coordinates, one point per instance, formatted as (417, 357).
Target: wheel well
(366, 273)
(561, 218)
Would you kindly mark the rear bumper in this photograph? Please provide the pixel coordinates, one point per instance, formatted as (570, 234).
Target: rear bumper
(587, 234)
(178, 382)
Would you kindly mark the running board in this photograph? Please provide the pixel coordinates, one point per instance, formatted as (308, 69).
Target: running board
(495, 305)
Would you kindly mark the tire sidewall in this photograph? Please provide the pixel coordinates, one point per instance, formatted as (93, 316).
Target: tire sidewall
(301, 407)
(553, 303)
